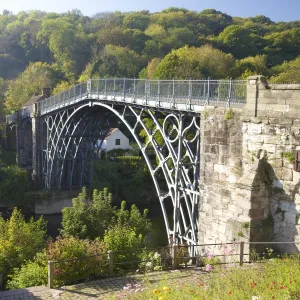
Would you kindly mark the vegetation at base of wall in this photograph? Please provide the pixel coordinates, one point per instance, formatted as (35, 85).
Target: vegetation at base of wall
(8, 157)
(32, 273)
(229, 114)
(289, 156)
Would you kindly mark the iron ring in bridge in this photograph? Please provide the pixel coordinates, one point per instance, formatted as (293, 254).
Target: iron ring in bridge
(167, 134)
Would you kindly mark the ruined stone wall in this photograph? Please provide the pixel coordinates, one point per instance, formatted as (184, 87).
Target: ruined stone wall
(272, 131)
(249, 190)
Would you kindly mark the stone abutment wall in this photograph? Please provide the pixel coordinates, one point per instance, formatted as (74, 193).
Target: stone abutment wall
(249, 189)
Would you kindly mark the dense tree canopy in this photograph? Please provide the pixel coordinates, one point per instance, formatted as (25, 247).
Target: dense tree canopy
(62, 49)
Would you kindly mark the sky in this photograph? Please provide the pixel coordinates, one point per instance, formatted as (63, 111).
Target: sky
(276, 10)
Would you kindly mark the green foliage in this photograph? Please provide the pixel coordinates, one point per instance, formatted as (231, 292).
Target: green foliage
(274, 279)
(82, 259)
(246, 225)
(229, 114)
(241, 41)
(123, 239)
(127, 178)
(289, 156)
(91, 219)
(32, 80)
(240, 234)
(88, 220)
(33, 273)
(14, 182)
(19, 240)
(195, 63)
(60, 49)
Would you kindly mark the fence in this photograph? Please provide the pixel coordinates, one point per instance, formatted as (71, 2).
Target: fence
(114, 263)
(189, 92)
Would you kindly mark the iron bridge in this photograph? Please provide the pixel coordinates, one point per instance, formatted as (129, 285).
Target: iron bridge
(163, 116)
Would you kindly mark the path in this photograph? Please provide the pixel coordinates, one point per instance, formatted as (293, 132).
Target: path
(103, 288)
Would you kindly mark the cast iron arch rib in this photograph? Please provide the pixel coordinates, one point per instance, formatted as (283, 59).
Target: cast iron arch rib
(69, 153)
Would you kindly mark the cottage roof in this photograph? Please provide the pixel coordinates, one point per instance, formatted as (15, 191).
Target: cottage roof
(35, 99)
(109, 133)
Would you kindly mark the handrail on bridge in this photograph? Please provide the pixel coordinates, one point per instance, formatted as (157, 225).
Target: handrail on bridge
(182, 95)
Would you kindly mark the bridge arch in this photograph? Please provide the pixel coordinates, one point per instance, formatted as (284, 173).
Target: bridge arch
(173, 137)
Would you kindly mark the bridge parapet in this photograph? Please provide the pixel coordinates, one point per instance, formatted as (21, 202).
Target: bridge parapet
(183, 95)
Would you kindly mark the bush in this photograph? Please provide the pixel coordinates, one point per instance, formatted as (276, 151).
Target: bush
(82, 259)
(19, 241)
(90, 220)
(33, 273)
(123, 239)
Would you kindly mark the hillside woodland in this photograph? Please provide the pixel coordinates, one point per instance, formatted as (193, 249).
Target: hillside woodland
(39, 49)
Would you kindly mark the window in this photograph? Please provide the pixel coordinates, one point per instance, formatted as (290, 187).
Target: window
(118, 142)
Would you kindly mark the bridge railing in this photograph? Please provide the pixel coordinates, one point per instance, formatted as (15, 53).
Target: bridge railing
(220, 92)
(193, 92)
(64, 98)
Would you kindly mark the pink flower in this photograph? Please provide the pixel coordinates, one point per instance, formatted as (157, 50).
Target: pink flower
(209, 267)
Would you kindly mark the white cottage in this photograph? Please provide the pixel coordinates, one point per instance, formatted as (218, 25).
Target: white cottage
(114, 139)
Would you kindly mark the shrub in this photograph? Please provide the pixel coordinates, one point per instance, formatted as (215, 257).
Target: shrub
(33, 273)
(90, 220)
(82, 259)
(19, 241)
(123, 239)
(151, 261)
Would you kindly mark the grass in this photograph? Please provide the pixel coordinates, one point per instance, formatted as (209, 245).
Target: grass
(275, 279)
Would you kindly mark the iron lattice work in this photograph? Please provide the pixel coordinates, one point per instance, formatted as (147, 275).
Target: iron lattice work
(169, 142)
(164, 112)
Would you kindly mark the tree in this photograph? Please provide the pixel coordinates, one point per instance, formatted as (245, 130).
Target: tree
(240, 41)
(195, 63)
(282, 46)
(32, 80)
(256, 65)
(120, 62)
(14, 183)
(213, 21)
(136, 20)
(288, 72)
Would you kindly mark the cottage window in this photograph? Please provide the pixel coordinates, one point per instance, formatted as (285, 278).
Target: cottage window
(118, 142)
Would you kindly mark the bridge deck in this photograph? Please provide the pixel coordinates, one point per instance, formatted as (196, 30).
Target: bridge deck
(180, 95)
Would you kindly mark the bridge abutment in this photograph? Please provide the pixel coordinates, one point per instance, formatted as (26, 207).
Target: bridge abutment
(249, 180)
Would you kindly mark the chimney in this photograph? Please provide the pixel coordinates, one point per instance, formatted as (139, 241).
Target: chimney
(46, 92)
